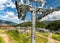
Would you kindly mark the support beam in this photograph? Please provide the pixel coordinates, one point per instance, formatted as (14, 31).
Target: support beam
(33, 27)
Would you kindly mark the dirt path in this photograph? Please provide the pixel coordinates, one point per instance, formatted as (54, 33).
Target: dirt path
(49, 38)
(6, 38)
(41, 36)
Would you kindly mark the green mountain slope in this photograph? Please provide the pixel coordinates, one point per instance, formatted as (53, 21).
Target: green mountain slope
(54, 25)
(38, 24)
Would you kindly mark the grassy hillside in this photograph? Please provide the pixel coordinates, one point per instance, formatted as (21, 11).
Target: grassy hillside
(1, 40)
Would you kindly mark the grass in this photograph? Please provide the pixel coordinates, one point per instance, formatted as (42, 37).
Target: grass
(56, 37)
(44, 34)
(24, 37)
(21, 37)
(1, 31)
(1, 40)
(28, 40)
(18, 37)
(41, 40)
(14, 34)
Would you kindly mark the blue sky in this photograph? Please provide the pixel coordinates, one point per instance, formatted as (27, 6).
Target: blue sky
(8, 11)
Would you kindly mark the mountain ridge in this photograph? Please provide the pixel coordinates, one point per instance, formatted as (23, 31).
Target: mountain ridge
(6, 22)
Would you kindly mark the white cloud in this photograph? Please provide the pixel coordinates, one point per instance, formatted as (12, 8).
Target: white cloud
(2, 7)
(6, 3)
(6, 16)
(10, 16)
(10, 4)
(52, 16)
(3, 1)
